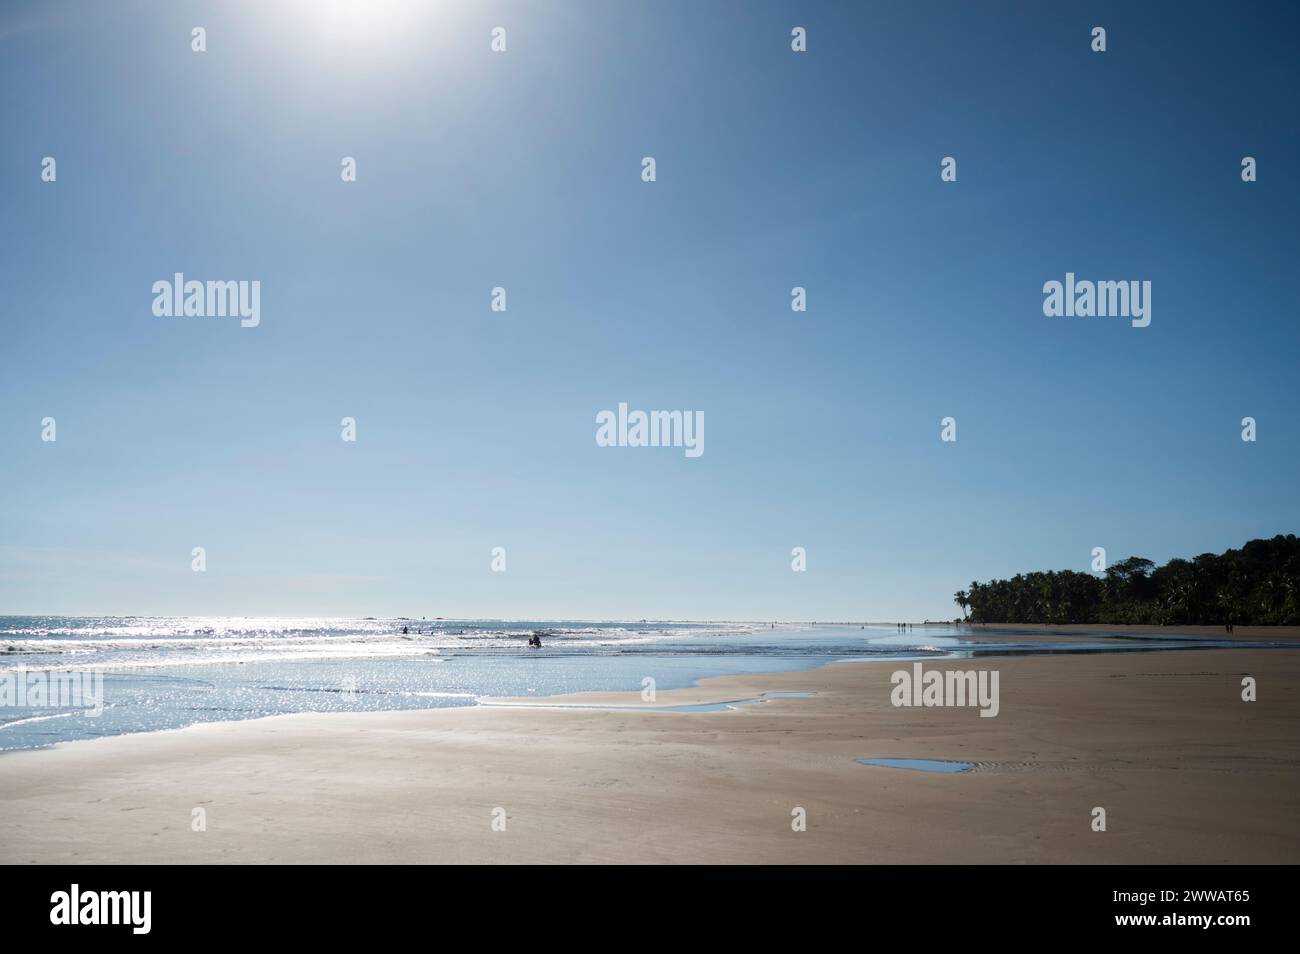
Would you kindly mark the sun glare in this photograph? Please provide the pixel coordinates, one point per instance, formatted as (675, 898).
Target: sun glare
(361, 20)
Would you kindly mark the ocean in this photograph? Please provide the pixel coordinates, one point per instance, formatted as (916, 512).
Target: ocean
(65, 679)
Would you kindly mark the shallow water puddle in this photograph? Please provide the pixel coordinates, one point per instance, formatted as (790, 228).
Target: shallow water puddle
(708, 706)
(723, 706)
(921, 765)
(688, 707)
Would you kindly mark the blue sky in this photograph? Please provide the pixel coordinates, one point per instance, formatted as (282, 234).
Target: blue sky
(775, 169)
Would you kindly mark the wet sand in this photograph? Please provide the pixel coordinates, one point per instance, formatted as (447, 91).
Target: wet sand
(1185, 770)
(981, 631)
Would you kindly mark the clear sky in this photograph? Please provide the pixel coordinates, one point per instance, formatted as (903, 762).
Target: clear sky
(522, 169)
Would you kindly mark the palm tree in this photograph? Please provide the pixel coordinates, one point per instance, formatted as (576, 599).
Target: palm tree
(962, 599)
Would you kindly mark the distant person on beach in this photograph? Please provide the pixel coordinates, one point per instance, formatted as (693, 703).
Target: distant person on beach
(405, 631)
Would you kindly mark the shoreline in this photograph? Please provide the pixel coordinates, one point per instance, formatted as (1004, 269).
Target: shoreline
(1187, 771)
(626, 700)
(1042, 633)
(1243, 633)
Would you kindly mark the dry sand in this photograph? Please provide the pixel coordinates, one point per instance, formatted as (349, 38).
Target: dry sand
(1186, 771)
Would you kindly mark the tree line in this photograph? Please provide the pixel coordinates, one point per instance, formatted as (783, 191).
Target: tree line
(1256, 585)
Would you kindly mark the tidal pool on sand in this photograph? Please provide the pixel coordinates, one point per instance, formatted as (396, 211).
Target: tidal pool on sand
(921, 765)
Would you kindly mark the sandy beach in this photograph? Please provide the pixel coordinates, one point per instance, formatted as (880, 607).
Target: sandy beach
(1186, 771)
(980, 631)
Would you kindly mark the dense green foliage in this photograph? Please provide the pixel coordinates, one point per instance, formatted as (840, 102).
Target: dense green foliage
(1258, 584)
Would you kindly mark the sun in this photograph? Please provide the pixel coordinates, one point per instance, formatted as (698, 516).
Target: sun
(365, 19)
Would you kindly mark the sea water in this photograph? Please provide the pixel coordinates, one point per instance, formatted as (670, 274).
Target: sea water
(169, 672)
